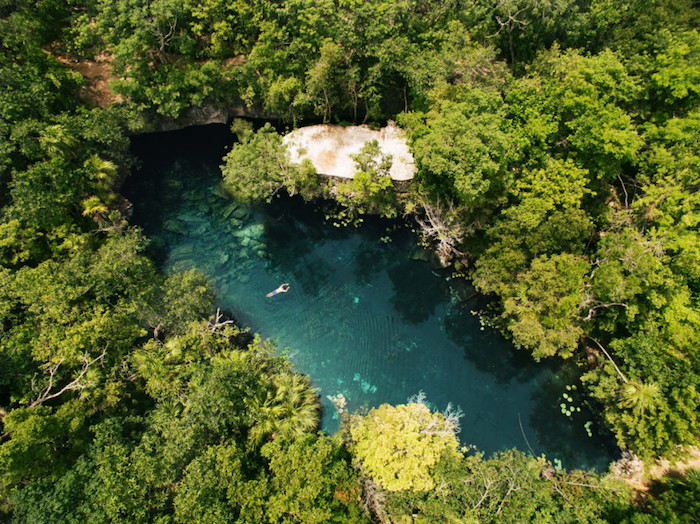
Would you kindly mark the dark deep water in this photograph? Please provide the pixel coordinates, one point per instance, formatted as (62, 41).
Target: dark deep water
(362, 318)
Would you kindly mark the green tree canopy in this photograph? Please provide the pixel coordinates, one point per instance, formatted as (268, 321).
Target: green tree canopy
(399, 446)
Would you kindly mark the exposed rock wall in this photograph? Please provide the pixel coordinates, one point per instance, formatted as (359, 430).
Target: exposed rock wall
(329, 148)
(201, 116)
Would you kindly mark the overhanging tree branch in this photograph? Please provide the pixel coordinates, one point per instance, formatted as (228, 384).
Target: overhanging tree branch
(442, 227)
(216, 322)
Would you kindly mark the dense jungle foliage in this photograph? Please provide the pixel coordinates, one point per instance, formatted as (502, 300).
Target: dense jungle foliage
(558, 167)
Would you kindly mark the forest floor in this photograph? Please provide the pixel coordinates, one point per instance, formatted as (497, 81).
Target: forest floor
(97, 75)
(643, 480)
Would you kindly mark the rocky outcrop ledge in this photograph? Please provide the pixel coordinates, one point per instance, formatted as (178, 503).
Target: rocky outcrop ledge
(329, 148)
(204, 115)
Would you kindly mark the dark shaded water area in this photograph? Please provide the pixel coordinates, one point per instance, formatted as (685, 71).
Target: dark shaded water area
(363, 318)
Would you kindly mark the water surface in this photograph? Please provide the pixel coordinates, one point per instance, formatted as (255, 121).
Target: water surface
(363, 318)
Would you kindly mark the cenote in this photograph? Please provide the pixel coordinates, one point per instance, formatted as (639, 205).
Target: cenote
(362, 318)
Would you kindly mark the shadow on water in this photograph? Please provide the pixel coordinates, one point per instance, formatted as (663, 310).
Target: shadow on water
(295, 257)
(481, 347)
(560, 417)
(369, 261)
(194, 151)
(556, 422)
(416, 291)
(362, 318)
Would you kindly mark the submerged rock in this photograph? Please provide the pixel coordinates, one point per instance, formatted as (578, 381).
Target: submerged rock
(241, 213)
(183, 265)
(256, 246)
(191, 195)
(339, 402)
(235, 211)
(182, 251)
(199, 229)
(173, 183)
(250, 231)
(229, 209)
(191, 218)
(219, 192)
(175, 226)
(421, 253)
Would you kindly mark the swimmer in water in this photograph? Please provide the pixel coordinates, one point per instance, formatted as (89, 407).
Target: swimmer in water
(282, 289)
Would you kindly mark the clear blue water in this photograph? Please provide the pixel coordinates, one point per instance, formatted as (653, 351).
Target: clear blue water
(362, 317)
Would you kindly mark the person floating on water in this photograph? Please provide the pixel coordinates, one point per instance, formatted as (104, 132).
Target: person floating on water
(282, 289)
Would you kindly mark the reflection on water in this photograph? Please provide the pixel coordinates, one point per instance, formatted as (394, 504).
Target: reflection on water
(362, 318)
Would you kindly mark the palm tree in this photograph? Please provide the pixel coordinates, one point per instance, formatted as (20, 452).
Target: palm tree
(640, 397)
(101, 170)
(55, 140)
(289, 411)
(266, 415)
(93, 207)
(299, 402)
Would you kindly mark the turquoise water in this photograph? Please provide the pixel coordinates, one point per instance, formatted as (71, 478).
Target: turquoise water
(363, 318)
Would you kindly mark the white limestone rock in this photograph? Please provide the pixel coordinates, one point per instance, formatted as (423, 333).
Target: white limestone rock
(329, 148)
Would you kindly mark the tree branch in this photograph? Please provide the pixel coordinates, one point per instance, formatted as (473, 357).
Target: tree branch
(624, 189)
(487, 487)
(609, 358)
(216, 324)
(598, 305)
(77, 383)
(590, 486)
(441, 227)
